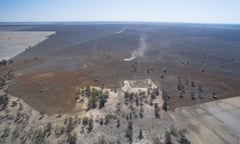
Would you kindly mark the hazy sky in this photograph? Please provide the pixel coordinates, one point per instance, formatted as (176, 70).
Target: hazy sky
(203, 11)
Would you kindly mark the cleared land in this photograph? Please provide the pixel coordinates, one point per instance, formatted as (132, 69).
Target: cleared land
(193, 63)
(115, 83)
(212, 122)
(13, 43)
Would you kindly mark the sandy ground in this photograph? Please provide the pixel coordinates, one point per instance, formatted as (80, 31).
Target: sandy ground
(32, 121)
(190, 53)
(212, 122)
(13, 43)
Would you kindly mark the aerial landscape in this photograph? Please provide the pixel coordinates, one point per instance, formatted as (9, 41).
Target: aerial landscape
(100, 82)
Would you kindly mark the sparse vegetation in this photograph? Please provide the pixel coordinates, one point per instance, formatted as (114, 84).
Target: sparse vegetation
(71, 139)
(3, 102)
(46, 82)
(85, 121)
(129, 132)
(140, 136)
(168, 139)
(118, 123)
(157, 110)
(165, 101)
(90, 125)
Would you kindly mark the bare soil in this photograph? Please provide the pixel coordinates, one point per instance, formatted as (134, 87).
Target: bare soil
(47, 74)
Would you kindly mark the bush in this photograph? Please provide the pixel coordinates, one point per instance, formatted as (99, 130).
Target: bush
(92, 102)
(193, 84)
(165, 106)
(173, 131)
(118, 123)
(168, 139)
(157, 110)
(70, 125)
(47, 130)
(90, 125)
(156, 140)
(129, 135)
(3, 62)
(71, 139)
(3, 102)
(192, 96)
(102, 100)
(85, 121)
(140, 136)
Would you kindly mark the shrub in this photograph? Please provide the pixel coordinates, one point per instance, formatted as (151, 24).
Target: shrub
(90, 125)
(85, 121)
(71, 139)
(168, 139)
(140, 136)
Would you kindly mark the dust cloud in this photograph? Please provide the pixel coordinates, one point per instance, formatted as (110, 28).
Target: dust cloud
(140, 51)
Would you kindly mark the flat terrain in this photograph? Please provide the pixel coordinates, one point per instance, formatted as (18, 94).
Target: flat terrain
(212, 122)
(202, 59)
(13, 43)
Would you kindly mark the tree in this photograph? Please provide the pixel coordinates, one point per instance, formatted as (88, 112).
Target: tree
(179, 80)
(193, 84)
(165, 100)
(88, 91)
(3, 102)
(140, 136)
(70, 125)
(192, 96)
(90, 125)
(129, 132)
(107, 119)
(180, 87)
(200, 96)
(126, 97)
(2, 82)
(118, 123)
(162, 76)
(214, 95)
(137, 101)
(173, 131)
(181, 94)
(157, 110)
(141, 111)
(92, 102)
(85, 121)
(130, 125)
(183, 138)
(165, 105)
(102, 100)
(164, 69)
(168, 139)
(3, 62)
(47, 130)
(101, 121)
(102, 140)
(156, 140)
(200, 88)
(71, 139)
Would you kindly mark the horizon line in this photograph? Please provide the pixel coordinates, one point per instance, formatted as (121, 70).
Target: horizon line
(118, 22)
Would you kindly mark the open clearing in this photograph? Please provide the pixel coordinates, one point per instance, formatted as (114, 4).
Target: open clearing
(212, 122)
(13, 43)
(90, 83)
